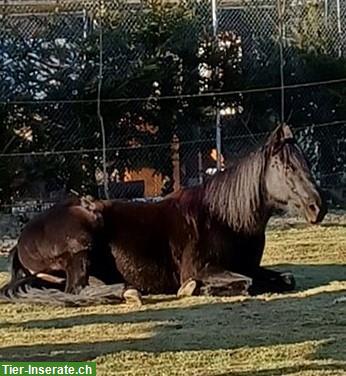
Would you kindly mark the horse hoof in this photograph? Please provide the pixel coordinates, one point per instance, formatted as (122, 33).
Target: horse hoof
(132, 296)
(187, 288)
(288, 279)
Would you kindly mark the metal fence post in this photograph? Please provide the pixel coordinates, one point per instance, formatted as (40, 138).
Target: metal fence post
(326, 13)
(217, 120)
(175, 146)
(338, 14)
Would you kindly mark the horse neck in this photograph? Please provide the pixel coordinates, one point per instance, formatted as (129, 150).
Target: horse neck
(237, 197)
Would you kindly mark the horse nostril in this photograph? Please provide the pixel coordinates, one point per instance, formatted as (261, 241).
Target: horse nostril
(313, 207)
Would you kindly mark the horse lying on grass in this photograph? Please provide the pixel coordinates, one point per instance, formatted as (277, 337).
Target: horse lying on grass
(207, 239)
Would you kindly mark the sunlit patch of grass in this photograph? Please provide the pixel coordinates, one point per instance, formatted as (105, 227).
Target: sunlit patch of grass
(206, 362)
(301, 333)
(313, 244)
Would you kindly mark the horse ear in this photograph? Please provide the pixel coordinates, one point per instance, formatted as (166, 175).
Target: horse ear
(280, 134)
(287, 132)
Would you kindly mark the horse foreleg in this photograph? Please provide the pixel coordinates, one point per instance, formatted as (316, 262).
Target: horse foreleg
(216, 282)
(266, 280)
(77, 272)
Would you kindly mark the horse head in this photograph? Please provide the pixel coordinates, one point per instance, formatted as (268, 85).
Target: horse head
(288, 179)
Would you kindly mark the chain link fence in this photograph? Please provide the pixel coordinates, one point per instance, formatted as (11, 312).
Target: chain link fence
(141, 83)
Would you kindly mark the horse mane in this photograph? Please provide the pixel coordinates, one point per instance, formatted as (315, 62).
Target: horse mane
(236, 195)
(291, 155)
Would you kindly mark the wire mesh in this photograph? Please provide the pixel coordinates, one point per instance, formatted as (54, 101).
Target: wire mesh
(163, 75)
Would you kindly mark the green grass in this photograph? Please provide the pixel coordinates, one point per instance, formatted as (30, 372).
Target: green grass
(301, 333)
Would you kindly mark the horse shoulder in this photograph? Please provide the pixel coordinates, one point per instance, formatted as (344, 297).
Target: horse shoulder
(182, 229)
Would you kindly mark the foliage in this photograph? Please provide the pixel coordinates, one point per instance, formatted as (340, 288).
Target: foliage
(159, 50)
(308, 57)
(309, 31)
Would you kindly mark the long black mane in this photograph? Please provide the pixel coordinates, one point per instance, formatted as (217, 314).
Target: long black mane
(237, 195)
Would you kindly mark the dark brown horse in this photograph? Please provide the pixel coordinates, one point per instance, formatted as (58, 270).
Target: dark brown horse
(207, 239)
(208, 233)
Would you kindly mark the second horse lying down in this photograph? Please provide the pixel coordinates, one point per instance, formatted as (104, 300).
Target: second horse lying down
(207, 239)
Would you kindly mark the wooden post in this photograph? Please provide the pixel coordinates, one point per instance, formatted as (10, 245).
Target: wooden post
(176, 162)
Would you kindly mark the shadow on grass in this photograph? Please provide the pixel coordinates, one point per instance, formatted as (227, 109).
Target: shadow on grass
(333, 224)
(88, 352)
(3, 264)
(287, 370)
(222, 325)
(310, 276)
(250, 323)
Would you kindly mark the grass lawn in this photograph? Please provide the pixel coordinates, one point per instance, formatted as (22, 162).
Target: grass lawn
(301, 333)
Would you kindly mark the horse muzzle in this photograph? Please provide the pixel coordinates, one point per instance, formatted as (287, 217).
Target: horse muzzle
(315, 212)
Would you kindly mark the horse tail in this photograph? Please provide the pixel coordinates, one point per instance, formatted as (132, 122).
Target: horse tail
(23, 292)
(16, 269)
(18, 273)
(31, 289)
(42, 288)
